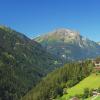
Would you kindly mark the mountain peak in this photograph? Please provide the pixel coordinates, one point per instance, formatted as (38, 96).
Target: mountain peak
(62, 34)
(67, 32)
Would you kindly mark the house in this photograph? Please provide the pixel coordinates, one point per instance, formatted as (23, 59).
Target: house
(97, 64)
(95, 93)
(74, 98)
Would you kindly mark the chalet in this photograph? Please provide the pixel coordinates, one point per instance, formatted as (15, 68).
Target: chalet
(97, 64)
(95, 93)
(74, 98)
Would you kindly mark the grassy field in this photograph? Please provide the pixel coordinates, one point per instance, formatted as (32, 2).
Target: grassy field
(91, 82)
(94, 98)
(97, 98)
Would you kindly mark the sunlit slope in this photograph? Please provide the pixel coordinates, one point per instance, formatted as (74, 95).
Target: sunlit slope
(91, 82)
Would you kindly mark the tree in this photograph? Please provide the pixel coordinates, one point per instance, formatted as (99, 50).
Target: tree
(86, 93)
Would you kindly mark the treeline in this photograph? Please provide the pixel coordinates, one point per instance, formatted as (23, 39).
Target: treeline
(52, 85)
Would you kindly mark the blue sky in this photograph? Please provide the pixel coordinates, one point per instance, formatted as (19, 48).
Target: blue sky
(35, 17)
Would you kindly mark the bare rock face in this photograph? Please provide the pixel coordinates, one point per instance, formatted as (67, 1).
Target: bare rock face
(62, 34)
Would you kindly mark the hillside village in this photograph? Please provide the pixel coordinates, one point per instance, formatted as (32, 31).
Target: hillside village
(96, 64)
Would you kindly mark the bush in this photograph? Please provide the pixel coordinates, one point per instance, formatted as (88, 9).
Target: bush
(86, 93)
(91, 92)
(99, 89)
(79, 95)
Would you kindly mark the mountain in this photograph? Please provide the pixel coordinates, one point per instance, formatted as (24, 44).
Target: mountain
(69, 45)
(22, 64)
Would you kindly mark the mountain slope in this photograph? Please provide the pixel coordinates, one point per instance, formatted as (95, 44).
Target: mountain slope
(52, 85)
(69, 45)
(22, 63)
(78, 89)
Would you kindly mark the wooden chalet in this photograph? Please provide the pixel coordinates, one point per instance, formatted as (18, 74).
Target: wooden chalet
(97, 65)
(74, 98)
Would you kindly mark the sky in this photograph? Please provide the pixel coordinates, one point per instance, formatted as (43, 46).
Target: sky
(36, 17)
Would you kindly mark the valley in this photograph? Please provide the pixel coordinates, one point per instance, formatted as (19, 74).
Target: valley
(49, 49)
(47, 67)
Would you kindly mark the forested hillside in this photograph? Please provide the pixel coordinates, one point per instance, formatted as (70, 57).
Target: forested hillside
(22, 64)
(53, 84)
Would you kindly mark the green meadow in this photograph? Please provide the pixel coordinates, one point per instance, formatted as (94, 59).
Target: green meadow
(91, 82)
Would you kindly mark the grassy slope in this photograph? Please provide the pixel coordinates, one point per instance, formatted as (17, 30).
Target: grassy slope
(94, 98)
(98, 98)
(93, 81)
